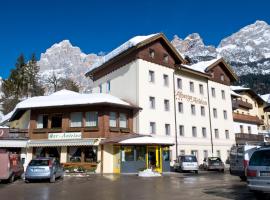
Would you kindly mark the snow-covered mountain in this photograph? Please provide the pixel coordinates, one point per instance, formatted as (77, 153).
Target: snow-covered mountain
(65, 60)
(248, 50)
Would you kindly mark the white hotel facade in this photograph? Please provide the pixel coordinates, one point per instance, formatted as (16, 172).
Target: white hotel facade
(187, 104)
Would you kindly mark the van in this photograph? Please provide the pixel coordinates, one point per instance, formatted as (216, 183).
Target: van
(10, 166)
(239, 158)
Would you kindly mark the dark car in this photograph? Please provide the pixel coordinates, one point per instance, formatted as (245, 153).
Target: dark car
(11, 166)
(213, 163)
(44, 168)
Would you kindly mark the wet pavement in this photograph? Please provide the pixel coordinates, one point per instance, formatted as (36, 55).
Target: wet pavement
(204, 186)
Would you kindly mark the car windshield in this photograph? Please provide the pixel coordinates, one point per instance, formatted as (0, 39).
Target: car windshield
(214, 159)
(188, 159)
(39, 163)
(260, 158)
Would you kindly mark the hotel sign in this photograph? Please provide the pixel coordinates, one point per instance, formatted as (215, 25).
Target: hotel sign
(65, 136)
(180, 96)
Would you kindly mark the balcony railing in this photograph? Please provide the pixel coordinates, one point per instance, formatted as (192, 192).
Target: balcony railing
(247, 118)
(236, 103)
(242, 138)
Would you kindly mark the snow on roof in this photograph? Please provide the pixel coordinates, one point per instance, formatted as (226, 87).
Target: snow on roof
(235, 94)
(148, 140)
(201, 66)
(266, 97)
(7, 117)
(236, 88)
(66, 97)
(130, 43)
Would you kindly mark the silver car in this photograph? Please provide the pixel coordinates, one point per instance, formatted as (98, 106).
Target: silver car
(186, 163)
(44, 168)
(258, 171)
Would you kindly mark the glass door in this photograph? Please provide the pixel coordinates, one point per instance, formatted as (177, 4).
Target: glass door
(116, 159)
(154, 158)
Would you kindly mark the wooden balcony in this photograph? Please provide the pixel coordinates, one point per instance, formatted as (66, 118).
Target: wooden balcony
(242, 138)
(237, 103)
(247, 119)
(17, 134)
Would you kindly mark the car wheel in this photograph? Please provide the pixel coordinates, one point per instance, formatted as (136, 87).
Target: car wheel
(196, 172)
(243, 178)
(258, 194)
(222, 170)
(27, 181)
(11, 178)
(52, 179)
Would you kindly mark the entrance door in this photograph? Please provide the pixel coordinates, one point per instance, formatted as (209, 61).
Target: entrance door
(154, 158)
(116, 159)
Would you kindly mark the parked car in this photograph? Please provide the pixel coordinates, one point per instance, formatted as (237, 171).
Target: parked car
(239, 158)
(186, 163)
(213, 163)
(258, 171)
(10, 166)
(44, 168)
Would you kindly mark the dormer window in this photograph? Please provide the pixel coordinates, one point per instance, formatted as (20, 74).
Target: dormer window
(222, 77)
(165, 58)
(151, 53)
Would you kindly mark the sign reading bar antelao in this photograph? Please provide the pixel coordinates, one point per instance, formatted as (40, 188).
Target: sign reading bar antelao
(65, 136)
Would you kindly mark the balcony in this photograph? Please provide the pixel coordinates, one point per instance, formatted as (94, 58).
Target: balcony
(242, 138)
(237, 103)
(247, 119)
(16, 134)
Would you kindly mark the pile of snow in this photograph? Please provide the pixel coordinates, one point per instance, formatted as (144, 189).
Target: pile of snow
(148, 173)
(130, 43)
(202, 66)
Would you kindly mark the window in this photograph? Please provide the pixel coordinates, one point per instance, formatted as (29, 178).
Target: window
(76, 119)
(262, 116)
(91, 119)
(268, 116)
(194, 153)
(151, 53)
(222, 77)
(151, 76)
(182, 152)
(181, 130)
(152, 127)
(152, 102)
(213, 92)
(205, 154)
(42, 121)
(75, 154)
(216, 133)
(194, 131)
(222, 94)
(191, 86)
(204, 132)
(166, 79)
(108, 86)
(227, 135)
(218, 153)
(165, 58)
(202, 111)
(140, 153)
(128, 154)
(179, 83)
(100, 88)
(56, 121)
(225, 114)
(112, 119)
(249, 129)
(180, 107)
(167, 129)
(166, 105)
(241, 129)
(123, 120)
(193, 109)
(263, 128)
(215, 112)
(201, 89)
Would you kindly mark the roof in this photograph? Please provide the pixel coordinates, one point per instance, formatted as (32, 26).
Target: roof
(13, 143)
(132, 44)
(266, 97)
(206, 66)
(240, 89)
(67, 98)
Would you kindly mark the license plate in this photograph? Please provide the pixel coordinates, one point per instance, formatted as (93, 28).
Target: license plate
(38, 170)
(216, 164)
(264, 173)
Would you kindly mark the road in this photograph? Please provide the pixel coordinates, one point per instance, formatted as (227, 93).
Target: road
(187, 186)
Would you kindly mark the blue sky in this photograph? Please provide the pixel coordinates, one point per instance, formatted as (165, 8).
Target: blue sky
(32, 26)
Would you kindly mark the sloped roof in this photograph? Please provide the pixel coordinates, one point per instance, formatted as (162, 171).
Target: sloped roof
(266, 97)
(132, 44)
(206, 66)
(240, 89)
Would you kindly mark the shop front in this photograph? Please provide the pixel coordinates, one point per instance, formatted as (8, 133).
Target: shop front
(139, 153)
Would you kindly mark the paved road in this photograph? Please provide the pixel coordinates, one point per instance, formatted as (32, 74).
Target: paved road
(204, 186)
